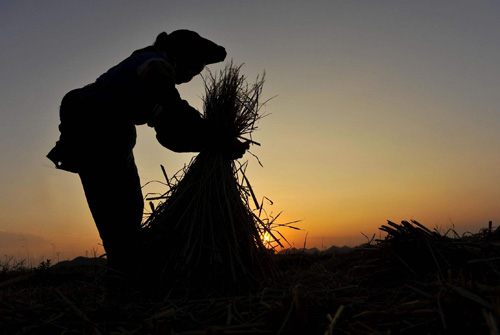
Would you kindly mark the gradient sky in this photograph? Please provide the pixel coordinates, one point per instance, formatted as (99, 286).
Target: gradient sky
(383, 110)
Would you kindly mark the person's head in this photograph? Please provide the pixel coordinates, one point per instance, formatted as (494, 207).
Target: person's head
(190, 52)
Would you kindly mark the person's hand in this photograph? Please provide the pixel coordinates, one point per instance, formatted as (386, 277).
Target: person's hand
(234, 149)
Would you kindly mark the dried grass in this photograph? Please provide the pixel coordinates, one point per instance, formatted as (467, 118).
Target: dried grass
(389, 286)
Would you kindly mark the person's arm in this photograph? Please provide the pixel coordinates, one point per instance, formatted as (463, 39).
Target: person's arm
(179, 127)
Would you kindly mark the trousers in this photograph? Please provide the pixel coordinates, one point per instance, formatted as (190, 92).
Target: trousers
(113, 191)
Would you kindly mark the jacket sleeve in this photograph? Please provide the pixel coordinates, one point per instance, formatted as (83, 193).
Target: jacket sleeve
(179, 127)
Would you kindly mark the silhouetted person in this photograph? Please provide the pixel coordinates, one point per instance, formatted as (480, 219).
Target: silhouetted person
(98, 132)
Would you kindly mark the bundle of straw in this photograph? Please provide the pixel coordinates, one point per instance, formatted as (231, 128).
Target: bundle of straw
(205, 233)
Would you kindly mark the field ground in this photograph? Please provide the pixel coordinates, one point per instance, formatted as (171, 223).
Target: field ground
(416, 281)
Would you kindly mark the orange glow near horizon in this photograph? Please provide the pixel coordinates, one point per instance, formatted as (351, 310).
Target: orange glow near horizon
(382, 111)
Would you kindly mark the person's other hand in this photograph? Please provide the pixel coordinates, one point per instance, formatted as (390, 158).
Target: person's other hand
(235, 149)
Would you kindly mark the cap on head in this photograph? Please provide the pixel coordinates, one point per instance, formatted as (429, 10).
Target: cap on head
(186, 44)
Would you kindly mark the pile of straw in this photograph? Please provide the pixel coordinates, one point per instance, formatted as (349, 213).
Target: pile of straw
(204, 234)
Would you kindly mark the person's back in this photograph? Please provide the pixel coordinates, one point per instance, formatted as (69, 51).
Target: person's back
(124, 84)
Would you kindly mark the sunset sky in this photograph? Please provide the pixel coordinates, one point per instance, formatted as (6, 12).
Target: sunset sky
(384, 110)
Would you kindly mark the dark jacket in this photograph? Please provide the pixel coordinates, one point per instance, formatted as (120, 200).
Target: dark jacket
(98, 121)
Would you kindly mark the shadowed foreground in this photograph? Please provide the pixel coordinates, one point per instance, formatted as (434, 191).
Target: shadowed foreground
(415, 281)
